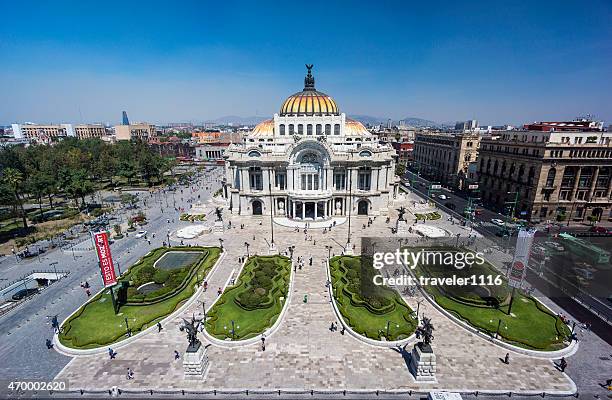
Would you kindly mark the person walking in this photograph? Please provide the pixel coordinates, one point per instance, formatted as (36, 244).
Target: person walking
(507, 358)
(176, 355)
(49, 344)
(159, 327)
(563, 364)
(130, 374)
(111, 353)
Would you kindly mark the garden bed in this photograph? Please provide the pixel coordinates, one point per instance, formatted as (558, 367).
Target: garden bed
(255, 302)
(95, 324)
(530, 325)
(369, 312)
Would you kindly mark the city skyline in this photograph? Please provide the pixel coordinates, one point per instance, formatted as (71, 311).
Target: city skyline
(512, 64)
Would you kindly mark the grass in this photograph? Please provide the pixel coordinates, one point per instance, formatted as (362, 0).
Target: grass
(530, 325)
(369, 315)
(254, 303)
(96, 325)
(432, 216)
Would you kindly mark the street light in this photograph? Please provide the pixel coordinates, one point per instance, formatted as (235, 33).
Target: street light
(221, 242)
(328, 252)
(388, 325)
(53, 264)
(168, 237)
(247, 248)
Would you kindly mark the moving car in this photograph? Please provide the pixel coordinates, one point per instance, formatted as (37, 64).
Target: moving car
(442, 197)
(497, 221)
(23, 293)
(141, 234)
(554, 245)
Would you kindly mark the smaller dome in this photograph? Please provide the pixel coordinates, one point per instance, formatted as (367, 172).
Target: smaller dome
(263, 129)
(355, 128)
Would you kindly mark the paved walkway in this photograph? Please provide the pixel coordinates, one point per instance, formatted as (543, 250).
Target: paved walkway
(303, 353)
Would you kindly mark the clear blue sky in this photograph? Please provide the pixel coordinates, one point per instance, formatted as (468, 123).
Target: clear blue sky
(496, 61)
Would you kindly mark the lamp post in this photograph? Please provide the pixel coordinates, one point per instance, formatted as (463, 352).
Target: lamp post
(168, 236)
(204, 310)
(328, 252)
(53, 264)
(247, 248)
(350, 207)
(271, 210)
(388, 325)
(221, 242)
(127, 327)
(418, 308)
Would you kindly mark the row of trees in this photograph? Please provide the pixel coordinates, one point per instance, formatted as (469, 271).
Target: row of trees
(73, 168)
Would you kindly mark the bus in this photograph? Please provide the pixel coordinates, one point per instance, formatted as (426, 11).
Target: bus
(587, 251)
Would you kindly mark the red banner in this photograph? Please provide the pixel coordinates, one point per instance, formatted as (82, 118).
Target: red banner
(104, 257)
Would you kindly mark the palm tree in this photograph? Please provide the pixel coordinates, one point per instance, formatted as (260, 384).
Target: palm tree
(13, 178)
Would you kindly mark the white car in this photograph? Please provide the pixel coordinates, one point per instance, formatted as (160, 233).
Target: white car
(141, 234)
(497, 221)
(442, 197)
(554, 245)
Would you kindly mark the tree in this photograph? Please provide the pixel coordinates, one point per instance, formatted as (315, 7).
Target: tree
(13, 180)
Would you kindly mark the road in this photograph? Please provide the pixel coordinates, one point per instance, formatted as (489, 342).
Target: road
(24, 330)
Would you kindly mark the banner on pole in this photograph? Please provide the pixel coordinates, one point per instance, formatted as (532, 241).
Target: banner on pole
(104, 257)
(516, 274)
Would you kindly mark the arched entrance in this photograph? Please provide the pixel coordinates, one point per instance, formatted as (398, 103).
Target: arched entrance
(257, 207)
(362, 207)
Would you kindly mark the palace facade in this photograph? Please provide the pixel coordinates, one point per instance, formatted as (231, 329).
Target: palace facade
(310, 163)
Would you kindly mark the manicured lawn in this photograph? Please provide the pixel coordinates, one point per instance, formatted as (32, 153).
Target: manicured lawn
(96, 325)
(369, 313)
(530, 326)
(254, 303)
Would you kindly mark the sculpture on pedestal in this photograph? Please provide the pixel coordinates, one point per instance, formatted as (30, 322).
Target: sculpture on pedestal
(219, 212)
(192, 331)
(426, 331)
(423, 360)
(401, 212)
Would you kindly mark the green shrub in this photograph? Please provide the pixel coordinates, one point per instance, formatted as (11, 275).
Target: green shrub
(161, 276)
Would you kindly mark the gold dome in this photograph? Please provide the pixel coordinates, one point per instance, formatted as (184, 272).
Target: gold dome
(309, 101)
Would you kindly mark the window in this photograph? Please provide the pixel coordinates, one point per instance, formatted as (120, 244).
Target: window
(336, 129)
(364, 179)
(291, 129)
(319, 129)
(339, 180)
(310, 181)
(309, 129)
(328, 129)
(300, 129)
(255, 179)
(550, 179)
(281, 180)
(282, 129)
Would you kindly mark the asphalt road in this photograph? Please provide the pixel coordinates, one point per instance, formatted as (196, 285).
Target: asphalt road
(24, 330)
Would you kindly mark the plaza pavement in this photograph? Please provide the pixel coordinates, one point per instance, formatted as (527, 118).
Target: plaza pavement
(303, 353)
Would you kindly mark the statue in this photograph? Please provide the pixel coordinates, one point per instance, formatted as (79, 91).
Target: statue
(402, 211)
(219, 213)
(192, 331)
(309, 82)
(426, 331)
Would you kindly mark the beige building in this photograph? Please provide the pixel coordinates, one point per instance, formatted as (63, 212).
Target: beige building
(40, 133)
(88, 131)
(445, 157)
(563, 176)
(142, 131)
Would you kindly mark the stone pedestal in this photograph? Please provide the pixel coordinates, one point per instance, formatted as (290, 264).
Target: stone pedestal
(423, 363)
(195, 361)
(348, 250)
(272, 250)
(402, 227)
(218, 227)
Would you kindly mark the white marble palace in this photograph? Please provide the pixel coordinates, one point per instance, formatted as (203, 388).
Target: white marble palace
(310, 163)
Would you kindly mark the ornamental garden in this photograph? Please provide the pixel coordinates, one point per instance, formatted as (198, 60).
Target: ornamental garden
(255, 301)
(376, 312)
(528, 324)
(154, 287)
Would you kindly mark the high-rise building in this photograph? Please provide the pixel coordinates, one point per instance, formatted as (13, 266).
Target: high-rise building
(125, 120)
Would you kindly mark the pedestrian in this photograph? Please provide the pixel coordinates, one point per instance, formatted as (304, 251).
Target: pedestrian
(507, 358)
(87, 292)
(130, 374)
(111, 353)
(176, 355)
(310, 261)
(563, 364)
(342, 330)
(219, 291)
(159, 327)
(49, 344)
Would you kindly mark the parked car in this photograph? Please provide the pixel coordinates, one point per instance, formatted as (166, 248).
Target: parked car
(23, 293)
(600, 229)
(497, 221)
(141, 234)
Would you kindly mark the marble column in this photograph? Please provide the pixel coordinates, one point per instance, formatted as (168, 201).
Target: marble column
(594, 178)
(293, 206)
(316, 209)
(303, 210)
(325, 209)
(575, 188)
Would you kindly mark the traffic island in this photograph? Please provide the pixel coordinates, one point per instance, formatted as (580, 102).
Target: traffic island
(375, 312)
(154, 287)
(254, 303)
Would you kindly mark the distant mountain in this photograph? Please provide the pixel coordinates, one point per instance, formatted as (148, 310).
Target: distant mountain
(369, 120)
(236, 120)
(419, 122)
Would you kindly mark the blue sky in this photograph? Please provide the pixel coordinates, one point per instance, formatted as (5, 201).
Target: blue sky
(496, 61)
